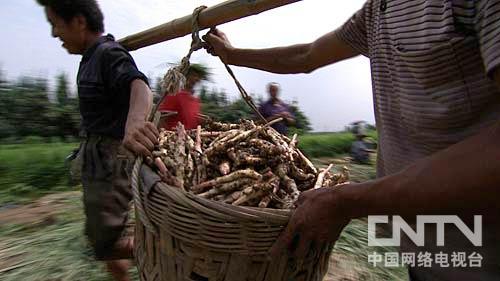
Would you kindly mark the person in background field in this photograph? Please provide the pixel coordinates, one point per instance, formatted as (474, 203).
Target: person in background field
(275, 108)
(435, 67)
(115, 100)
(184, 103)
(359, 151)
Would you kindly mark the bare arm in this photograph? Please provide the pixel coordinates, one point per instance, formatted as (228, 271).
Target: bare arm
(462, 179)
(300, 58)
(140, 135)
(287, 117)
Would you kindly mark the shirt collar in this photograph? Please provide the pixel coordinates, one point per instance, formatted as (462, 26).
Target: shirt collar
(90, 51)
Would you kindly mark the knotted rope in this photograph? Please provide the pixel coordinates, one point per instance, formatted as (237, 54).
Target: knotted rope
(175, 78)
(173, 81)
(169, 84)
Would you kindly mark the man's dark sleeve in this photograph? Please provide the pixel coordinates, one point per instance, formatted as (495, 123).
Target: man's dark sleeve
(120, 70)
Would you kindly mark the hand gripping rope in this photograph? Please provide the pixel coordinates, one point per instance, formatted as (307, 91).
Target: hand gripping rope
(172, 82)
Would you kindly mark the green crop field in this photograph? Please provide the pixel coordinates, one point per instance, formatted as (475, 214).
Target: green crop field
(329, 144)
(30, 170)
(54, 247)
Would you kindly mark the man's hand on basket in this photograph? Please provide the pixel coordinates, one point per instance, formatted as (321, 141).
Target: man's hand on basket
(218, 44)
(140, 137)
(319, 219)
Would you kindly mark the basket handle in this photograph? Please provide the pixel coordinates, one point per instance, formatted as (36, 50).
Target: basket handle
(136, 193)
(139, 207)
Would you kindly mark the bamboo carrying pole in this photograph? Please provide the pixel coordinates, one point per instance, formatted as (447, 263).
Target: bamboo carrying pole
(212, 16)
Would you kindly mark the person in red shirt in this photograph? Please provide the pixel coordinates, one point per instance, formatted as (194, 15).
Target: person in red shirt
(184, 102)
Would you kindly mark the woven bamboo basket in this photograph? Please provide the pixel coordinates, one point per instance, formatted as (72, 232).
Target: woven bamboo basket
(180, 236)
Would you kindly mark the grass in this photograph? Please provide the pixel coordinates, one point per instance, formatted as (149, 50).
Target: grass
(351, 250)
(326, 144)
(58, 251)
(353, 247)
(329, 144)
(54, 252)
(34, 166)
(28, 171)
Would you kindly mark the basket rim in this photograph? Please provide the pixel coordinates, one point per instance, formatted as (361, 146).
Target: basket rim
(215, 208)
(223, 210)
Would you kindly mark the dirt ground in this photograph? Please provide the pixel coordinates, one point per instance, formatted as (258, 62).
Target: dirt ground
(43, 212)
(40, 212)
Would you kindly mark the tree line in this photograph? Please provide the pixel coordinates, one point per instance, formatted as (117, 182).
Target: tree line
(30, 108)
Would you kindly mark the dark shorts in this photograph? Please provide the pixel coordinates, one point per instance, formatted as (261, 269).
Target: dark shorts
(106, 192)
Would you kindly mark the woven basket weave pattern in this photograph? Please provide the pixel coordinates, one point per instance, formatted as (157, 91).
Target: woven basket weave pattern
(199, 239)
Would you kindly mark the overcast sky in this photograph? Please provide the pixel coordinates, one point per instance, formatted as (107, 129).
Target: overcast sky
(331, 97)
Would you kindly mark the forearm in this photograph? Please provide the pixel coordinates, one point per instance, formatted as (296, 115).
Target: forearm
(463, 179)
(140, 135)
(287, 119)
(141, 100)
(300, 58)
(291, 59)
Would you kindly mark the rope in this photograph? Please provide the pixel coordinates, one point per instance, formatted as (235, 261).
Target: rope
(172, 82)
(246, 97)
(175, 78)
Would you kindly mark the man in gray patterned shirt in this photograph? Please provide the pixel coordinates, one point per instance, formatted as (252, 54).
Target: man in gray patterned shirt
(435, 68)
